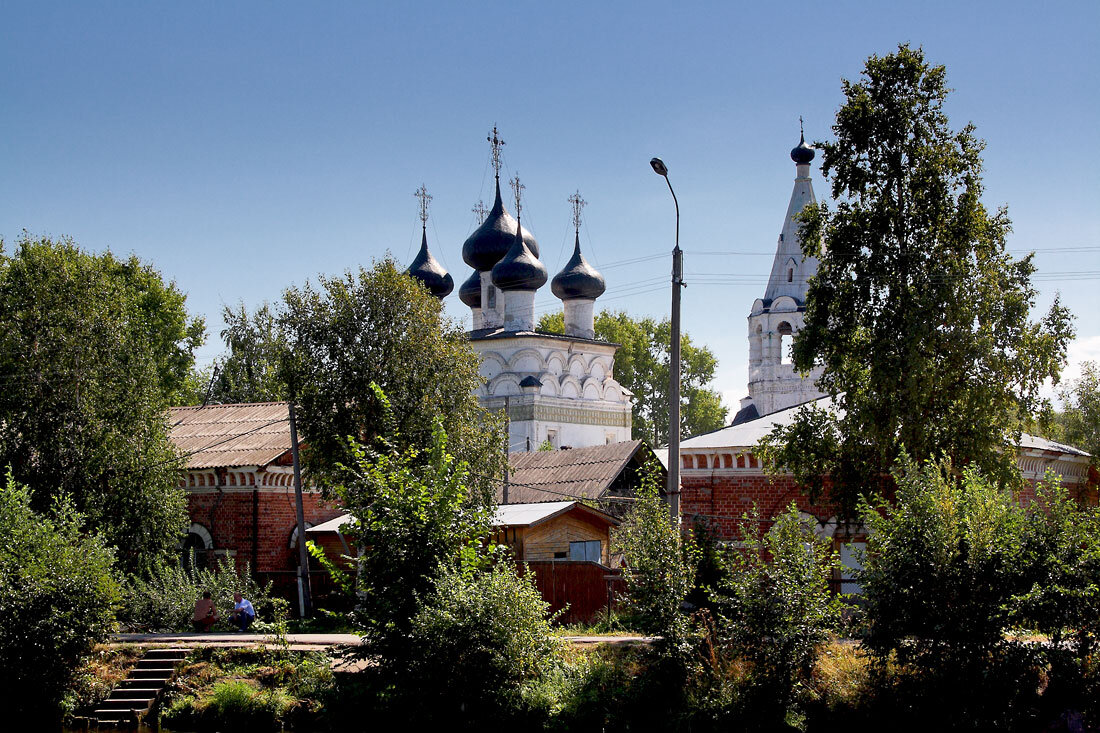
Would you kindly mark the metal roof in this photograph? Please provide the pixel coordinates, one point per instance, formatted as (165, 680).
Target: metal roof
(332, 525)
(748, 434)
(217, 436)
(527, 515)
(552, 476)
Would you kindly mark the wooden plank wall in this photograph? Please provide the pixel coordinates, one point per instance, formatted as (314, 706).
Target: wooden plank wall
(542, 541)
(579, 587)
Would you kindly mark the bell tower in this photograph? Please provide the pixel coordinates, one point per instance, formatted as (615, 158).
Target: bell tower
(775, 319)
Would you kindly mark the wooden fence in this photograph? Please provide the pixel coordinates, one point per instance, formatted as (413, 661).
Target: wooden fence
(583, 589)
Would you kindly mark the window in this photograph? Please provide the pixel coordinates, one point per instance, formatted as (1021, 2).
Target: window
(492, 298)
(790, 275)
(786, 341)
(588, 550)
(552, 437)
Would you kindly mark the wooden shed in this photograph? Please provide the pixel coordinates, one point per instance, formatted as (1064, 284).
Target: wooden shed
(554, 530)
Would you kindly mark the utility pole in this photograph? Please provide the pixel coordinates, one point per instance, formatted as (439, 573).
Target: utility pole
(661, 169)
(304, 600)
(507, 447)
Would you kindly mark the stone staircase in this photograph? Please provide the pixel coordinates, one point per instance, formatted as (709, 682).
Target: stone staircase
(135, 695)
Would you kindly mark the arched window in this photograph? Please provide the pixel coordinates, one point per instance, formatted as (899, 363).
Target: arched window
(196, 546)
(786, 341)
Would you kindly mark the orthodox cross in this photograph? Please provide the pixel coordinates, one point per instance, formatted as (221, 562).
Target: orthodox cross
(517, 191)
(495, 144)
(801, 132)
(481, 211)
(425, 199)
(578, 206)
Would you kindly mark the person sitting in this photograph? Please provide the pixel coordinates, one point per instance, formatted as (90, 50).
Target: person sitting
(205, 614)
(243, 612)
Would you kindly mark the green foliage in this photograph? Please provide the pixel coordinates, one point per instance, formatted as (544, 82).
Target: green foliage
(658, 570)
(946, 561)
(57, 599)
(482, 643)
(1080, 417)
(381, 327)
(918, 313)
(775, 610)
(250, 372)
(642, 366)
(411, 512)
(165, 601)
(93, 350)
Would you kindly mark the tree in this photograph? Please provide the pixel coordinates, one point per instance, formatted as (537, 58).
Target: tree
(58, 595)
(642, 365)
(412, 511)
(775, 609)
(1080, 417)
(250, 372)
(918, 313)
(93, 350)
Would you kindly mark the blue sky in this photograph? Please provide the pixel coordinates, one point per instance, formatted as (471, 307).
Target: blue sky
(243, 147)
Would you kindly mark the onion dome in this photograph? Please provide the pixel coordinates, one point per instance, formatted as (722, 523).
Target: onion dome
(803, 154)
(578, 279)
(491, 241)
(470, 292)
(520, 269)
(427, 270)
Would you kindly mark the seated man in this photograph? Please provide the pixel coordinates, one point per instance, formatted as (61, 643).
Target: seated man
(243, 613)
(205, 614)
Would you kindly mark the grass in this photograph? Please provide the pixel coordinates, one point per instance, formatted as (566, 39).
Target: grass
(256, 689)
(107, 666)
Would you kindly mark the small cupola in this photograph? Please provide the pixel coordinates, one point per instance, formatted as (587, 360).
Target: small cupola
(578, 284)
(518, 275)
(802, 154)
(425, 267)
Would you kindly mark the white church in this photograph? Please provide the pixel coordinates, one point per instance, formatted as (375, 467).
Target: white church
(554, 388)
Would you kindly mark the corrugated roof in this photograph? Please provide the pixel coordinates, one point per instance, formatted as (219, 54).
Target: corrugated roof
(217, 436)
(333, 525)
(550, 476)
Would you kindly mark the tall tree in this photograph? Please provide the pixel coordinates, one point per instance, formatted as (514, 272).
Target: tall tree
(93, 349)
(1080, 417)
(918, 313)
(250, 372)
(382, 327)
(642, 365)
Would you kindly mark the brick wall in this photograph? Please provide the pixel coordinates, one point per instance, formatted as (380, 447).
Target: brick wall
(228, 517)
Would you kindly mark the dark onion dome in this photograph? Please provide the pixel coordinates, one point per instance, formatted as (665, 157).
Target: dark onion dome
(427, 270)
(578, 279)
(470, 292)
(492, 240)
(520, 269)
(802, 154)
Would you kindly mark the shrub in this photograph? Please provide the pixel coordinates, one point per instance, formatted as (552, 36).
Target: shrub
(774, 609)
(166, 600)
(944, 564)
(57, 599)
(483, 642)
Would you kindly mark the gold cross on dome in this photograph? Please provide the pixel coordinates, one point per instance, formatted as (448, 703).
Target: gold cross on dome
(578, 207)
(517, 191)
(425, 199)
(495, 144)
(481, 212)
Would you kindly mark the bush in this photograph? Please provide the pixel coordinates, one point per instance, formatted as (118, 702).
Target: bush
(166, 600)
(657, 569)
(483, 642)
(945, 564)
(774, 610)
(57, 599)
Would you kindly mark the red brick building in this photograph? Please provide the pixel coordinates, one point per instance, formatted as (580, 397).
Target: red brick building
(239, 480)
(721, 479)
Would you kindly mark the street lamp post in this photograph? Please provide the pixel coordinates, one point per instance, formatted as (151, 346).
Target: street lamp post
(661, 169)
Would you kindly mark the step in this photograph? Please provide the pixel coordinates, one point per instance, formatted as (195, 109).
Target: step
(134, 693)
(156, 663)
(139, 705)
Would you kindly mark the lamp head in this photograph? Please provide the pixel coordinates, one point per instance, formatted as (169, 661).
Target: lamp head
(659, 167)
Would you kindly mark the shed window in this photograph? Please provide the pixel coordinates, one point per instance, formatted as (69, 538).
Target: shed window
(587, 550)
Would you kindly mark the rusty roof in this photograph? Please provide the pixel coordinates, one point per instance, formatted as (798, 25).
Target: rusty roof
(567, 474)
(245, 434)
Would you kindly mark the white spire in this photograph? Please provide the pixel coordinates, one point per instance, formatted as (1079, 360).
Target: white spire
(790, 271)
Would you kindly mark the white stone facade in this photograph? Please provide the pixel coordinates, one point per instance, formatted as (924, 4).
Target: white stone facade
(570, 397)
